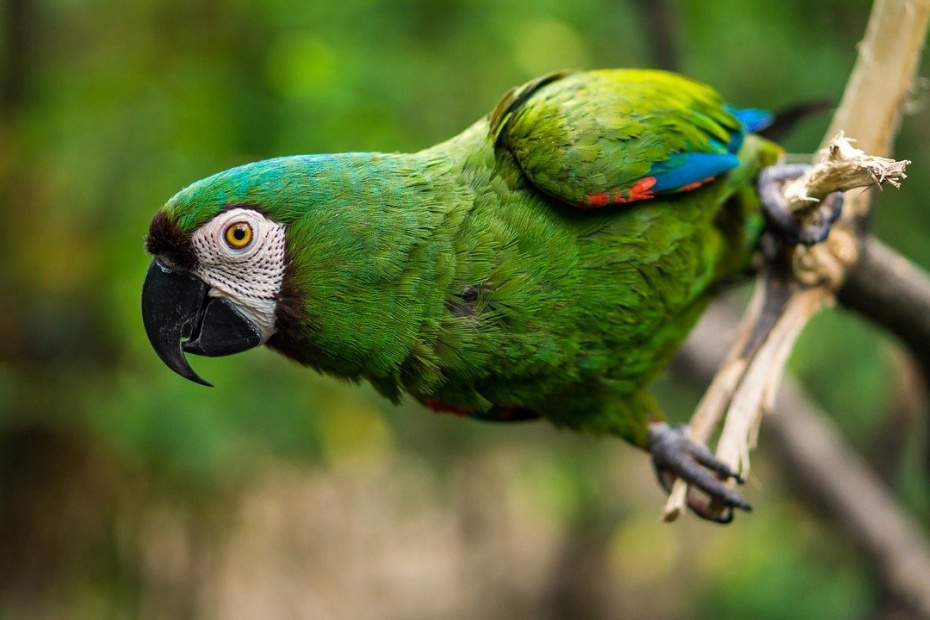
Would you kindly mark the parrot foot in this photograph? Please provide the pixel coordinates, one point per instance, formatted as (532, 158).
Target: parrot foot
(675, 455)
(780, 217)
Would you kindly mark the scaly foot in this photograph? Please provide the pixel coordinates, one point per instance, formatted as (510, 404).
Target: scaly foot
(675, 455)
(776, 210)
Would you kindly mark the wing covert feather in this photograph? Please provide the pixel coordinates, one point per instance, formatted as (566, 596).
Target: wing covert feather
(606, 137)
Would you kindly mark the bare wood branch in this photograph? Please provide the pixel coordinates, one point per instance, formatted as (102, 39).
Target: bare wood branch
(839, 481)
(796, 282)
(881, 80)
(784, 301)
(659, 18)
(842, 167)
(830, 474)
(889, 290)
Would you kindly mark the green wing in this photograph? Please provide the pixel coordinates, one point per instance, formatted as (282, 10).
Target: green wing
(605, 137)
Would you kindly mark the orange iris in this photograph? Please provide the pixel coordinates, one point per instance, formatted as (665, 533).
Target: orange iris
(239, 235)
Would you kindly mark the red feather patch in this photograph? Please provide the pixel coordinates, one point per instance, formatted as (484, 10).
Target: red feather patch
(695, 185)
(641, 190)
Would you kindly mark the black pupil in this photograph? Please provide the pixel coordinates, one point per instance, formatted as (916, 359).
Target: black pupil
(239, 233)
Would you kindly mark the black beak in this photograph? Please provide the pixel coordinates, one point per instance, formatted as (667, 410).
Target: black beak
(180, 316)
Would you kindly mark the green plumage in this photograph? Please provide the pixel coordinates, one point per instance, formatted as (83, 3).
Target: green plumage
(464, 275)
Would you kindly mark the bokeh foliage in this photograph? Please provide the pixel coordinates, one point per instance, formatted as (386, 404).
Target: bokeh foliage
(109, 107)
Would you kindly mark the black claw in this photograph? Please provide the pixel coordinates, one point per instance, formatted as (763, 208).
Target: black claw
(705, 457)
(782, 221)
(674, 455)
(725, 518)
(824, 216)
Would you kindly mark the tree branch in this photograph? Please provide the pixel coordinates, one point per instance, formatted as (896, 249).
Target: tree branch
(843, 485)
(882, 77)
(659, 25)
(832, 476)
(796, 281)
(889, 290)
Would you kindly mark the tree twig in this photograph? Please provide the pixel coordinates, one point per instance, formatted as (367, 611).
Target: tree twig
(795, 283)
(659, 22)
(842, 167)
(792, 287)
(840, 482)
(891, 291)
(882, 77)
(831, 475)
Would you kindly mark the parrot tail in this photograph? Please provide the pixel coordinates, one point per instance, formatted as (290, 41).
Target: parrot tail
(786, 120)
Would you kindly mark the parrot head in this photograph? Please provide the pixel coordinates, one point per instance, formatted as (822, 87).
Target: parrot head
(216, 285)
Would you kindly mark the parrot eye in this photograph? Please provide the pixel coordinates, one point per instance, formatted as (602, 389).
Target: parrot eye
(238, 235)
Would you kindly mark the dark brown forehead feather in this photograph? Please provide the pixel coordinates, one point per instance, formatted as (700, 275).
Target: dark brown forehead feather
(167, 241)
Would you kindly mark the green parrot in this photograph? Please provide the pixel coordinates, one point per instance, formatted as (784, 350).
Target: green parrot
(546, 262)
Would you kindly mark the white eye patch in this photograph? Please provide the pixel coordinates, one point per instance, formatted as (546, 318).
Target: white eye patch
(249, 276)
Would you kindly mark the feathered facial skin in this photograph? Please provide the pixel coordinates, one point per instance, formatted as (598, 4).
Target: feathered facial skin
(213, 292)
(217, 283)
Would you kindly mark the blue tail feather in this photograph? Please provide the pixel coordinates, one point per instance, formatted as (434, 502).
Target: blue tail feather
(752, 119)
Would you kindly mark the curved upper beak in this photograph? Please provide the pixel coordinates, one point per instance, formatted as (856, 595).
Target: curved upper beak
(180, 316)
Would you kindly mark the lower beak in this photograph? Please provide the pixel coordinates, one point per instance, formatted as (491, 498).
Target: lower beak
(180, 316)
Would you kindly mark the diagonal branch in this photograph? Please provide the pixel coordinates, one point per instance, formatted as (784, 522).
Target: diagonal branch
(793, 285)
(891, 291)
(795, 282)
(836, 479)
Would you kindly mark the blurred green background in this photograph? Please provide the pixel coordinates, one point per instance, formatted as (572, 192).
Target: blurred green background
(127, 492)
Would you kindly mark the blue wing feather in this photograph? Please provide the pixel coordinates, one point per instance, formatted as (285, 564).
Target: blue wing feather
(684, 169)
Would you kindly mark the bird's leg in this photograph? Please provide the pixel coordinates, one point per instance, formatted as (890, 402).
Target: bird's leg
(782, 220)
(675, 455)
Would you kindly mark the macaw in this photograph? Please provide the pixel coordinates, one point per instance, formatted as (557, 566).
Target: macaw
(544, 263)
